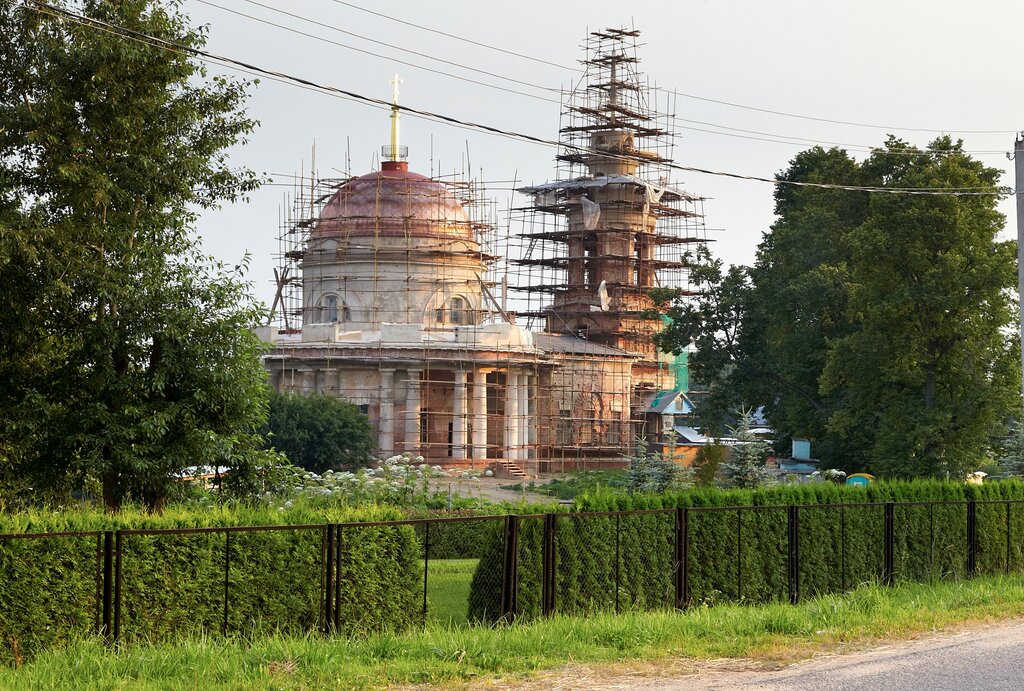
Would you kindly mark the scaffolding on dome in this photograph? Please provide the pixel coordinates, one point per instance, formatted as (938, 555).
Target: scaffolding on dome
(579, 380)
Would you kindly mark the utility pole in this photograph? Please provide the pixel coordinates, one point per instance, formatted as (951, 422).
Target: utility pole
(1018, 166)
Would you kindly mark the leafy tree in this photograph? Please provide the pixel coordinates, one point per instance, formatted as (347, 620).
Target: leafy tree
(747, 455)
(928, 367)
(712, 322)
(319, 432)
(871, 323)
(127, 353)
(707, 463)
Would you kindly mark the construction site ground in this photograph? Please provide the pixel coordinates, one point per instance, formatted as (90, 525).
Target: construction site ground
(490, 488)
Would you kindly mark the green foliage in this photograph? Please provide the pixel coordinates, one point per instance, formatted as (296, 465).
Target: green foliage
(707, 464)
(571, 486)
(174, 584)
(650, 471)
(741, 555)
(1011, 457)
(320, 432)
(505, 656)
(872, 324)
(127, 355)
(745, 468)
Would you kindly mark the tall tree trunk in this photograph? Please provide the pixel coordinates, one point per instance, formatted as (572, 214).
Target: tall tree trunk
(111, 498)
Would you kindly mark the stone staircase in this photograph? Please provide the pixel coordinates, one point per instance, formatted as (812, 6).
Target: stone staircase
(508, 469)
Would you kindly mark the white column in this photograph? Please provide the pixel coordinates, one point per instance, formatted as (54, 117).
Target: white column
(524, 419)
(307, 379)
(531, 416)
(479, 403)
(459, 416)
(412, 410)
(511, 416)
(386, 398)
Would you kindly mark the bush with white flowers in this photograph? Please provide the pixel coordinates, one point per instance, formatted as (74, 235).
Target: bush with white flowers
(400, 480)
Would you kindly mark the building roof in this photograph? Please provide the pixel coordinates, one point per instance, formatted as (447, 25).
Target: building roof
(393, 201)
(671, 402)
(654, 192)
(691, 435)
(564, 343)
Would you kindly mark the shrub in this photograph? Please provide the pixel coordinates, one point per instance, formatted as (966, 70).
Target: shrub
(742, 555)
(175, 583)
(320, 432)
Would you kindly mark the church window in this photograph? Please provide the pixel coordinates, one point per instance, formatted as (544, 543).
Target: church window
(457, 310)
(330, 312)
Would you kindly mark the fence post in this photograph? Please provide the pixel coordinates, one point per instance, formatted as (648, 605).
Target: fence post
(339, 532)
(739, 554)
(227, 580)
(117, 586)
(549, 566)
(682, 520)
(1008, 517)
(972, 538)
(329, 584)
(107, 603)
(617, 530)
(510, 570)
(426, 566)
(889, 555)
(793, 548)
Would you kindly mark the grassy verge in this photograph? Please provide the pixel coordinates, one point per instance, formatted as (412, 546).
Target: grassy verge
(448, 583)
(443, 655)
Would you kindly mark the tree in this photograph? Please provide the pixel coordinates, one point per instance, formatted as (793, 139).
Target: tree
(713, 323)
(319, 432)
(127, 353)
(928, 366)
(872, 323)
(707, 462)
(745, 467)
(1011, 456)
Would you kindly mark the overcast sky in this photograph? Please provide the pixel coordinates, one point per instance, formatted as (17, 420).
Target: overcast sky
(912, 68)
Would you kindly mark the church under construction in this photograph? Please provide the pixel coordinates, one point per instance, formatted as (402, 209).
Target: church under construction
(392, 293)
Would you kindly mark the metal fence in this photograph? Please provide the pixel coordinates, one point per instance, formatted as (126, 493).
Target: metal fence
(461, 570)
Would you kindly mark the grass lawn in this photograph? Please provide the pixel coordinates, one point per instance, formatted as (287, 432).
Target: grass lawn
(445, 655)
(448, 590)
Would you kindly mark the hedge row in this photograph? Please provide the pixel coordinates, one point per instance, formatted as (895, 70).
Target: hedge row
(607, 563)
(175, 583)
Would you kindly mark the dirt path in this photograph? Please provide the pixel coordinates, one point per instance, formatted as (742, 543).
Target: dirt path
(488, 488)
(982, 656)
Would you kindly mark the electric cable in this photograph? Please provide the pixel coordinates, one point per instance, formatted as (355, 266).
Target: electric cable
(40, 6)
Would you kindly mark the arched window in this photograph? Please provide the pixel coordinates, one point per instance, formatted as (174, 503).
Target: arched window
(457, 311)
(330, 311)
(582, 331)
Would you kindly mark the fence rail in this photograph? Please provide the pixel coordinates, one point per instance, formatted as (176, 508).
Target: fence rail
(522, 565)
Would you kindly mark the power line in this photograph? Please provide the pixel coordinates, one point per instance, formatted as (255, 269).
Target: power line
(458, 38)
(804, 141)
(383, 57)
(889, 128)
(759, 136)
(695, 97)
(124, 32)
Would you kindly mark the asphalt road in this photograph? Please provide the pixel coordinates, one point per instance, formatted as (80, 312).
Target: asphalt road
(990, 658)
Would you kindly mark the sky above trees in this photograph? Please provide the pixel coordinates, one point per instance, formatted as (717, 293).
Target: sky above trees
(946, 66)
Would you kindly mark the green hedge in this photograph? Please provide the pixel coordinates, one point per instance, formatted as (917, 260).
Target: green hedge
(175, 584)
(743, 555)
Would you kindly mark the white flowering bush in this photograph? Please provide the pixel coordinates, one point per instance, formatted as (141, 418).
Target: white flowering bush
(401, 480)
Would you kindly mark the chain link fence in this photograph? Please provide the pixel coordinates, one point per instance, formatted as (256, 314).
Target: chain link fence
(355, 578)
